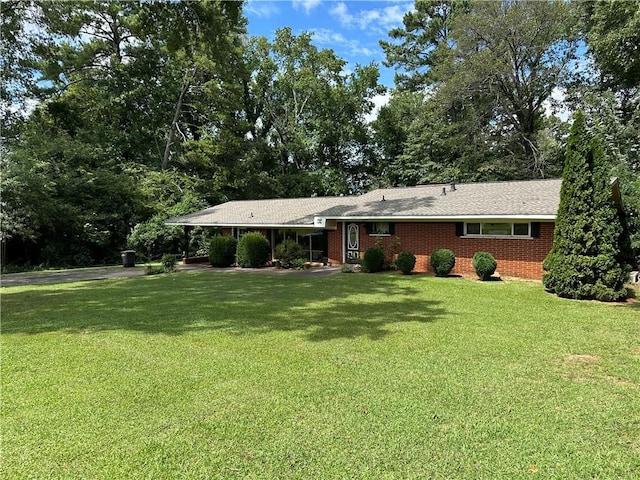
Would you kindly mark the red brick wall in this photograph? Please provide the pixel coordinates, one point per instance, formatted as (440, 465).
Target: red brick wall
(334, 245)
(516, 257)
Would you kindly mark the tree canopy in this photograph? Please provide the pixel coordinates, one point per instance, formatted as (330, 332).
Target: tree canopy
(119, 114)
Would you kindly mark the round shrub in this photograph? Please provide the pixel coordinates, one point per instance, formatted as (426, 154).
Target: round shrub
(373, 260)
(222, 250)
(442, 261)
(253, 250)
(168, 263)
(406, 262)
(288, 252)
(485, 265)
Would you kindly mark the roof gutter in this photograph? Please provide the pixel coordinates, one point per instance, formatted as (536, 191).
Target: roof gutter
(243, 225)
(321, 221)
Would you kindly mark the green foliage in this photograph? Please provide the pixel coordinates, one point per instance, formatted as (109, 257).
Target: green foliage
(406, 262)
(373, 260)
(612, 29)
(484, 264)
(308, 116)
(299, 264)
(609, 120)
(489, 68)
(585, 261)
(288, 251)
(168, 263)
(153, 270)
(253, 250)
(422, 42)
(222, 250)
(152, 237)
(442, 261)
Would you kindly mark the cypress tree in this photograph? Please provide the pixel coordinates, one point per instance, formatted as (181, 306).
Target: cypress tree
(585, 261)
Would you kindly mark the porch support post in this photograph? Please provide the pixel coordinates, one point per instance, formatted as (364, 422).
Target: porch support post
(273, 244)
(344, 242)
(187, 229)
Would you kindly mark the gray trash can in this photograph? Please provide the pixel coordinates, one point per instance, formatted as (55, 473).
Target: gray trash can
(128, 258)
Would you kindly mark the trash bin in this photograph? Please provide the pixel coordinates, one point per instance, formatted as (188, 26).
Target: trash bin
(128, 258)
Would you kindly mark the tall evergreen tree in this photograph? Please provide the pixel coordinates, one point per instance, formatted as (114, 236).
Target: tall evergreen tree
(585, 261)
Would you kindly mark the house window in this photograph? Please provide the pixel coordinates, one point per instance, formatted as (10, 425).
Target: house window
(501, 229)
(380, 228)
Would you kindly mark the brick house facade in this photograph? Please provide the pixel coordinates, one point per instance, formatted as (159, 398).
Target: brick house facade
(516, 257)
(514, 221)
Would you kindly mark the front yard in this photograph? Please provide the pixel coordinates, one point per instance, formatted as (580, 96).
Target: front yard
(233, 375)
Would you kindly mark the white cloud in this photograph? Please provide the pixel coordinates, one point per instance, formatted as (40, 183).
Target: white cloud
(306, 5)
(261, 9)
(379, 101)
(325, 36)
(341, 12)
(338, 41)
(379, 20)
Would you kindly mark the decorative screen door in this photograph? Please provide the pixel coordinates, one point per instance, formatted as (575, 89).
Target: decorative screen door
(352, 241)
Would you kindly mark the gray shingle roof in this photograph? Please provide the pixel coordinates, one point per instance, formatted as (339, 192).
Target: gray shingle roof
(274, 212)
(535, 199)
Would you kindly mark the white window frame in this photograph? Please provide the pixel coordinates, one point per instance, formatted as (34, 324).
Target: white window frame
(484, 235)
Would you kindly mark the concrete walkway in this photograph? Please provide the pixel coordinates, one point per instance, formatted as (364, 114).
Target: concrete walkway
(102, 273)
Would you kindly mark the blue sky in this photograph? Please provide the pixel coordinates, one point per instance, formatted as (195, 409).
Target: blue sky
(351, 28)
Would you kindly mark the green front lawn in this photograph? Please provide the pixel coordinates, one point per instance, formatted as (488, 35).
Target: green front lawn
(235, 375)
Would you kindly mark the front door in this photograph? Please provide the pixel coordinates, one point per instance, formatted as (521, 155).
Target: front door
(352, 242)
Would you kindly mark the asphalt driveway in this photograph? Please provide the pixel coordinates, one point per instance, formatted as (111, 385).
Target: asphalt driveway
(102, 273)
(73, 275)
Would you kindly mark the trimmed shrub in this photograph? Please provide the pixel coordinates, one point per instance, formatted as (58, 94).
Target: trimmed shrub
(406, 262)
(253, 250)
(168, 263)
(442, 261)
(288, 252)
(485, 265)
(222, 250)
(373, 260)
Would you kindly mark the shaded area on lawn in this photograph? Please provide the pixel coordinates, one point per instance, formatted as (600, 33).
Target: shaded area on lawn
(322, 308)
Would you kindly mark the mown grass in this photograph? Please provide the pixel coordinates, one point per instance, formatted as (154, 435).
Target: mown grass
(227, 375)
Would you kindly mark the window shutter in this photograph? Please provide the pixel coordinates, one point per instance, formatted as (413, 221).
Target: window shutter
(459, 229)
(368, 228)
(535, 229)
(392, 228)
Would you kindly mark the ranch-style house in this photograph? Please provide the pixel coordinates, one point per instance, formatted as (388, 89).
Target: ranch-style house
(514, 221)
